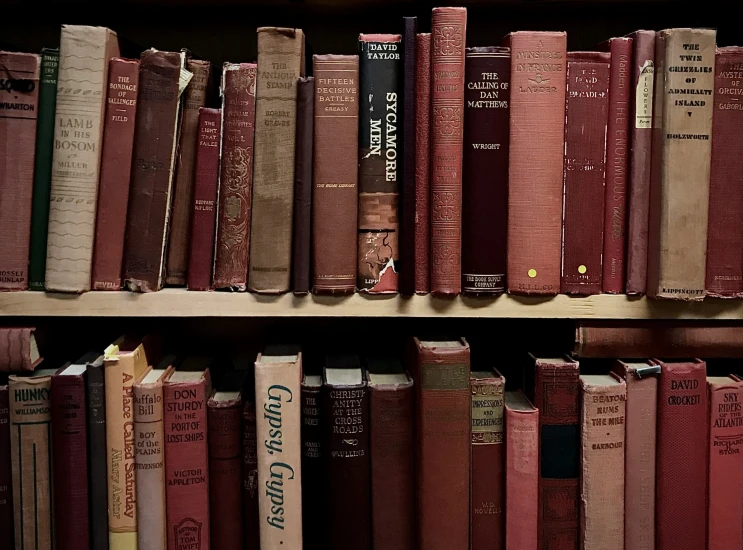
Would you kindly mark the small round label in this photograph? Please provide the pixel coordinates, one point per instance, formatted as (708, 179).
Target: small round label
(582, 269)
(532, 273)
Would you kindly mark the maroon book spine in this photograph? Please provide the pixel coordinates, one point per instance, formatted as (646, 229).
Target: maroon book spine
(617, 157)
(250, 478)
(423, 163)
(203, 220)
(586, 115)
(70, 459)
(6, 491)
(116, 164)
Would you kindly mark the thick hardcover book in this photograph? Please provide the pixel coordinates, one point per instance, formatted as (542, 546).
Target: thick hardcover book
(281, 58)
(116, 165)
(682, 449)
(302, 240)
(535, 169)
(725, 231)
(205, 190)
(346, 404)
(442, 378)
(84, 55)
(485, 170)
(31, 459)
(19, 111)
(336, 173)
(43, 167)
(617, 163)
(557, 396)
(6, 472)
(250, 477)
(380, 163)
(314, 458)
(18, 349)
(194, 98)
(679, 191)
(392, 446)
(422, 210)
(409, 151)
(161, 78)
(641, 130)
(236, 175)
(448, 41)
(95, 400)
(602, 461)
(586, 114)
(522, 472)
(487, 489)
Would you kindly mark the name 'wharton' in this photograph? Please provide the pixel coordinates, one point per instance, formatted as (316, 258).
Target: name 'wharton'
(278, 471)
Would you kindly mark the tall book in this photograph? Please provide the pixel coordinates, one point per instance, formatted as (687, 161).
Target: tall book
(602, 461)
(346, 404)
(679, 192)
(302, 239)
(95, 401)
(441, 371)
(31, 458)
(116, 169)
(538, 84)
(422, 163)
(409, 151)
(314, 451)
(485, 170)
(19, 112)
(6, 472)
(449, 38)
(236, 175)
(250, 477)
(335, 177)
(392, 448)
(281, 58)
(162, 77)
(488, 477)
(380, 163)
(682, 449)
(84, 55)
(43, 167)
(586, 115)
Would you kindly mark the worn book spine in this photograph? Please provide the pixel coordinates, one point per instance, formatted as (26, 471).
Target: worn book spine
(679, 193)
(406, 207)
(281, 58)
(535, 171)
(116, 164)
(449, 37)
(194, 98)
(95, 395)
(335, 176)
(6, 472)
(314, 504)
(236, 176)
(206, 188)
(485, 170)
(380, 172)
(586, 115)
(15, 349)
(19, 111)
(422, 211)
(84, 55)
(724, 276)
(302, 239)
(43, 167)
(250, 478)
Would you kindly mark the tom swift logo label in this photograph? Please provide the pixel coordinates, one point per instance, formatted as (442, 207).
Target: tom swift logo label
(188, 535)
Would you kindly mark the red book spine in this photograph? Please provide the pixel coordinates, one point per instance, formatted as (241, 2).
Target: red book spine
(201, 254)
(617, 155)
(6, 493)
(449, 30)
(250, 478)
(422, 163)
(116, 163)
(70, 459)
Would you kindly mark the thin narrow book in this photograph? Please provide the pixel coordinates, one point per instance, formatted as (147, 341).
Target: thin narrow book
(314, 504)
(407, 126)
(302, 240)
(422, 208)
(251, 520)
(95, 399)
(6, 472)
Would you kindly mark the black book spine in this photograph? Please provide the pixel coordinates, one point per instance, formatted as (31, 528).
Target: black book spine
(407, 206)
(303, 185)
(6, 492)
(95, 390)
(314, 505)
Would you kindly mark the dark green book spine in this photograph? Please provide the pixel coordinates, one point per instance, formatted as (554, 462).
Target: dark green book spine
(43, 167)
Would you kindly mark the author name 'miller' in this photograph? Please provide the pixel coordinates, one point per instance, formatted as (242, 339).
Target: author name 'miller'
(278, 472)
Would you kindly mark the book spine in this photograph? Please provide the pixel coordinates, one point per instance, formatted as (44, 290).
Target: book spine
(236, 175)
(269, 268)
(43, 167)
(449, 32)
(194, 98)
(586, 115)
(314, 505)
(6, 472)
(302, 240)
(380, 163)
(406, 262)
(522, 479)
(116, 165)
(335, 197)
(535, 187)
(250, 478)
(485, 170)
(204, 203)
(15, 349)
(423, 163)
(19, 73)
(95, 394)
(225, 474)
(78, 133)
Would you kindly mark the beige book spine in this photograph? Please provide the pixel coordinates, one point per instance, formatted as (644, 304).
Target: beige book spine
(277, 394)
(280, 64)
(84, 53)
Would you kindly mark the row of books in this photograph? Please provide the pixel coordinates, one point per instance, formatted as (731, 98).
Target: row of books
(129, 448)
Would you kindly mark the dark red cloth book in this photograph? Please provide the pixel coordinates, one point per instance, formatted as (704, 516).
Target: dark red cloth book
(423, 163)
(250, 478)
(6, 492)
